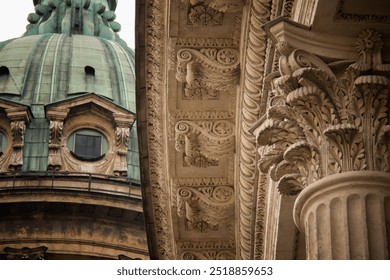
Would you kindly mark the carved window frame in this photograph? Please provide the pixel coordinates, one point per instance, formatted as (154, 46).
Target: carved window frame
(90, 112)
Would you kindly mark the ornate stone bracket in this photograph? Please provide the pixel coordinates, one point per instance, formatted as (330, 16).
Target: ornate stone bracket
(318, 124)
(19, 120)
(56, 125)
(205, 208)
(204, 143)
(122, 133)
(215, 69)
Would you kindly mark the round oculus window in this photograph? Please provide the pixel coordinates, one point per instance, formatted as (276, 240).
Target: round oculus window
(87, 144)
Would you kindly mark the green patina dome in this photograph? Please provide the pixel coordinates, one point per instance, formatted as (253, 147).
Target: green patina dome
(40, 69)
(71, 47)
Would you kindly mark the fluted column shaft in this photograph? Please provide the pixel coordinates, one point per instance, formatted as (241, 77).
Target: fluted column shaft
(346, 216)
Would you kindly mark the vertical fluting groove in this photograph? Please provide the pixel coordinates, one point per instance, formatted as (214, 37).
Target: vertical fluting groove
(387, 223)
(375, 229)
(311, 244)
(357, 228)
(338, 229)
(323, 236)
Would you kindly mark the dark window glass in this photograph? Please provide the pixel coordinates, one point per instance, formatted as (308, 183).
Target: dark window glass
(88, 146)
(4, 71)
(89, 71)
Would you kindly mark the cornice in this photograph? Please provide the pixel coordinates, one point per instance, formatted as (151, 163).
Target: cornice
(151, 129)
(301, 37)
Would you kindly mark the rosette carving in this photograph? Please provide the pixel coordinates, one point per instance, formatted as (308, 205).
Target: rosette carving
(318, 125)
(220, 5)
(215, 69)
(205, 208)
(204, 143)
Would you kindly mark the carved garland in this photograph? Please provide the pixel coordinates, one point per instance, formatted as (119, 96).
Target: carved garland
(318, 125)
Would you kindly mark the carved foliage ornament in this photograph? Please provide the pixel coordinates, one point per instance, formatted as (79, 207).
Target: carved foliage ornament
(204, 143)
(318, 125)
(205, 208)
(220, 5)
(202, 15)
(216, 69)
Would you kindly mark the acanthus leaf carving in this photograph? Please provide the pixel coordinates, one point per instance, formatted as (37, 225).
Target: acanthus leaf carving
(343, 123)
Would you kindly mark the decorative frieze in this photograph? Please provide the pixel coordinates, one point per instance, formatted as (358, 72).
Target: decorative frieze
(342, 15)
(204, 143)
(318, 124)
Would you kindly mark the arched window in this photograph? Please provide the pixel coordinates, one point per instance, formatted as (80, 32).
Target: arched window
(89, 71)
(4, 71)
(87, 144)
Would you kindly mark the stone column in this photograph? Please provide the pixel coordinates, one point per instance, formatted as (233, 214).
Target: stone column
(326, 137)
(346, 216)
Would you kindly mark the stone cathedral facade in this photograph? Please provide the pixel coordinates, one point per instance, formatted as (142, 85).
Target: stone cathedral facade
(239, 129)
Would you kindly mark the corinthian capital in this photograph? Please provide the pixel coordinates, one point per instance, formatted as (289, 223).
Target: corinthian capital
(318, 123)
